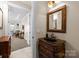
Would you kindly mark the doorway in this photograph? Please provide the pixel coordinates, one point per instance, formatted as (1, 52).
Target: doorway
(19, 29)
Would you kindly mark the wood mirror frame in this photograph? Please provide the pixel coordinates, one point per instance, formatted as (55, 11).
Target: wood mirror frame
(63, 26)
(1, 18)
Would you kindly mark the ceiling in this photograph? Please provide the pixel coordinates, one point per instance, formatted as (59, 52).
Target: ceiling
(23, 4)
(18, 10)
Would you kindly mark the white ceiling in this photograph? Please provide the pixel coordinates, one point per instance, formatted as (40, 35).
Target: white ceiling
(23, 4)
(18, 10)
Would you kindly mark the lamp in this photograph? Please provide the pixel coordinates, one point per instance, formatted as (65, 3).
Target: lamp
(50, 4)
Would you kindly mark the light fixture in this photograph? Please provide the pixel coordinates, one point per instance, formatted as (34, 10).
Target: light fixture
(57, 1)
(50, 4)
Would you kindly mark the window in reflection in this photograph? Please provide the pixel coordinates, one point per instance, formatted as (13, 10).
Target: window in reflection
(55, 21)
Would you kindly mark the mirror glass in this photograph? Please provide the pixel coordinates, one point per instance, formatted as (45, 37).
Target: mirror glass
(56, 20)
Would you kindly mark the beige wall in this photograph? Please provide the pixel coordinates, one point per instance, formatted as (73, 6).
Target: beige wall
(41, 11)
(72, 35)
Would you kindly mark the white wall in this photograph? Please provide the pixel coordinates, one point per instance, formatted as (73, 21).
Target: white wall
(72, 35)
(26, 28)
(33, 33)
(4, 7)
(39, 10)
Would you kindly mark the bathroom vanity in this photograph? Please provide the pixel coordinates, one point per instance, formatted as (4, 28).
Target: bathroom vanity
(50, 49)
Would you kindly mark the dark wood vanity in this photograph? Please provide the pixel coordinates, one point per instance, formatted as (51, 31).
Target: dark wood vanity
(49, 49)
(5, 46)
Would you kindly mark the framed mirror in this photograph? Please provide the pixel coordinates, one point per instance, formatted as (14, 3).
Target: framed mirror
(1, 18)
(56, 20)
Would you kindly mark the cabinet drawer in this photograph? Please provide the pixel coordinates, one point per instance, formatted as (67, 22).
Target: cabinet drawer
(46, 46)
(42, 55)
(46, 52)
(59, 49)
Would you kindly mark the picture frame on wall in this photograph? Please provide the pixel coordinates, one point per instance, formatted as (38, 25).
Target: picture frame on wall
(1, 18)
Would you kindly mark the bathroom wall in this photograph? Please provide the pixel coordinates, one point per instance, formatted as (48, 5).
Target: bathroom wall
(39, 11)
(71, 36)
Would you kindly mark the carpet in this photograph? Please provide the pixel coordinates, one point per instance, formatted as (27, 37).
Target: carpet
(17, 43)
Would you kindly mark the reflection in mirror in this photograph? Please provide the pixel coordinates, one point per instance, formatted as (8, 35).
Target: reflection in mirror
(55, 20)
